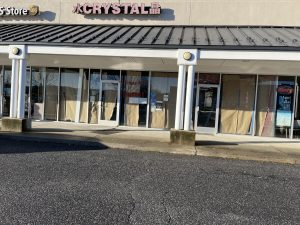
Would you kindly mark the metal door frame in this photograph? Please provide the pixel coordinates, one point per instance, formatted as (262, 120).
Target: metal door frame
(106, 122)
(208, 130)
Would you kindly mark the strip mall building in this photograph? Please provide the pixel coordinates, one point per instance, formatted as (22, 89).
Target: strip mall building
(220, 66)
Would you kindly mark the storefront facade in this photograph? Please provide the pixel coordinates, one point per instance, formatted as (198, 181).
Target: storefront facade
(118, 69)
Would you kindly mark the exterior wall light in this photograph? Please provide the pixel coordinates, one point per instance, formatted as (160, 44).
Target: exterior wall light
(15, 51)
(187, 56)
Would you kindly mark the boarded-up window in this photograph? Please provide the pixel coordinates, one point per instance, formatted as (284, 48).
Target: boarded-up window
(238, 96)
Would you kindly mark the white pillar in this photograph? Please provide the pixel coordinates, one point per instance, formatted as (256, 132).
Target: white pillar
(14, 88)
(181, 78)
(21, 89)
(183, 99)
(189, 97)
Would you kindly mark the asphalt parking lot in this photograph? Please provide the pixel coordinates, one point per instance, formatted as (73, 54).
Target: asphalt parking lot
(72, 183)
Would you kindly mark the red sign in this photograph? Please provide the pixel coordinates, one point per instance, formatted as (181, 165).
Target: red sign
(285, 90)
(117, 8)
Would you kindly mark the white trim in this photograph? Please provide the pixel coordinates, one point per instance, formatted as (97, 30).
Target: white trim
(4, 49)
(88, 96)
(109, 122)
(114, 52)
(189, 98)
(183, 98)
(79, 94)
(1, 89)
(254, 111)
(197, 103)
(148, 99)
(21, 89)
(14, 88)
(250, 55)
(58, 96)
(207, 130)
(218, 105)
(178, 106)
(294, 108)
(44, 74)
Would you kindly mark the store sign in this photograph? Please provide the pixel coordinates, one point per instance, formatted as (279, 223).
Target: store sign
(284, 105)
(285, 90)
(283, 118)
(12, 11)
(117, 8)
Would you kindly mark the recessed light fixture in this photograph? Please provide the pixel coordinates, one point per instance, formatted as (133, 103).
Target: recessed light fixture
(15, 51)
(187, 55)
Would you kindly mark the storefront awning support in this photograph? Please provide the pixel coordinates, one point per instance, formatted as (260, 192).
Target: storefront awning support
(180, 97)
(189, 98)
(17, 53)
(186, 58)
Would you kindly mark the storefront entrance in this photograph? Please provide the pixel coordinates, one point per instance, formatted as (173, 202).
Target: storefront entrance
(207, 108)
(109, 103)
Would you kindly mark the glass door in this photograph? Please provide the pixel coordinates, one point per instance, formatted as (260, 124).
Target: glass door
(109, 103)
(207, 108)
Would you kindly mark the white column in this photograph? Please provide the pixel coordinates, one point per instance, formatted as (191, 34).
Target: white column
(21, 89)
(189, 97)
(183, 99)
(181, 78)
(14, 88)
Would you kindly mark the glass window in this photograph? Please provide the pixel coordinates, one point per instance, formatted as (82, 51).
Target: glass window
(68, 94)
(134, 98)
(37, 93)
(109, 100)
(237, 104)
(84, 97)
(110, 75)
(6, 90)
(284, 106)
(266, 106)
(297, 111)
(51, 95)
(206, 78)
(163, 100)
(94, 94)
(27, 93)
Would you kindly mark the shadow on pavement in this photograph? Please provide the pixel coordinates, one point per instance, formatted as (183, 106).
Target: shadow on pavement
(12, 144)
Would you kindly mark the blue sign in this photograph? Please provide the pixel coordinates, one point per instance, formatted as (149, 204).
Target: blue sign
(283, 118)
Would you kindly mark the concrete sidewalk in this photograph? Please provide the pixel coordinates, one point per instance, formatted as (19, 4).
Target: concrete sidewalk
(226, 146)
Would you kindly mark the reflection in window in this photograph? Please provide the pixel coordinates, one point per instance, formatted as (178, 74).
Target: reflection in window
(6, 90)
(68, 94)
(134, 98)
(266, 106)
(284, 106)
(297, 111)
(110, 75)
(84, 97)
(94, 96)
(237, 104)
(163, 100)
(51, 95)
(37, 93)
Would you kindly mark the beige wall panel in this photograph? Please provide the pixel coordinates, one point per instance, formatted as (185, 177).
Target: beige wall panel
(245, 12)
(50, 11)
(179, 12)
(174, 11)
